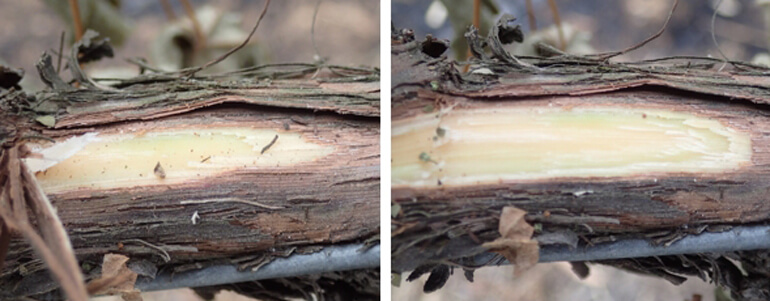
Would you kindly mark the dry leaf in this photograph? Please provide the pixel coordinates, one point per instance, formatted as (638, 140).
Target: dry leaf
(516, 243)
(132, 296)
(116, 278)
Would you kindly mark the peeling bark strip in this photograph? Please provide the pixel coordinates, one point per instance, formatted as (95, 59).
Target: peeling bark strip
(130, 169)
(589, 149)
(21, 194)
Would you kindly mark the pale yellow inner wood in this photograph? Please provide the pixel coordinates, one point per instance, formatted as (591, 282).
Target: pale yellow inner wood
(482, 146)
(102, 161)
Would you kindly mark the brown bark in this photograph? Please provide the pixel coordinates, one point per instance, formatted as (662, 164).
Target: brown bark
(441, 223)
(243, 210)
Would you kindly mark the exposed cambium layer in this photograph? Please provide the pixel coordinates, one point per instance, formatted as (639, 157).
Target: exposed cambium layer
(124, 160)
(490, 145)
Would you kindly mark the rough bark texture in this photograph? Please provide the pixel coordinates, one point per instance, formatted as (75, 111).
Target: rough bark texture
(439, 225)
(300, 208)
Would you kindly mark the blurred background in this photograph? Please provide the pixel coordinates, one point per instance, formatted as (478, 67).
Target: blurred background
(600, 26)
(346, 32)
(557, 282)
(590, 26)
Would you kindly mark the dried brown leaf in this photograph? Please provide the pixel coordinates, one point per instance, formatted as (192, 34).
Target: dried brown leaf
(132, 296)
(513, 225)
(116, 278)
(113, 264)
(516, 243)
(103, 284)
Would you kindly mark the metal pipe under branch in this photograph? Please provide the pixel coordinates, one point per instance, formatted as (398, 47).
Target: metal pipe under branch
(739, 238)
(332, 258)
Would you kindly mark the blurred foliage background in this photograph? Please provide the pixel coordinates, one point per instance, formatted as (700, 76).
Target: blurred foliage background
(615, 25)
(346, 33)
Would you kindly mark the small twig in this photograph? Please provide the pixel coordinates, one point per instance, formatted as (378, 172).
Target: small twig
(61, 48)
(317, 56)
(477, 24)
(200, 38)
(264, 149)
(143, 65)
(168, 10)
(609, 55)
(76, 67)
(75, 10)
(312, 31)
(231, 200)
(714, 37)
(477, 13)
(557, 21)
(192, 71)
(531, 16)
(163, 252)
